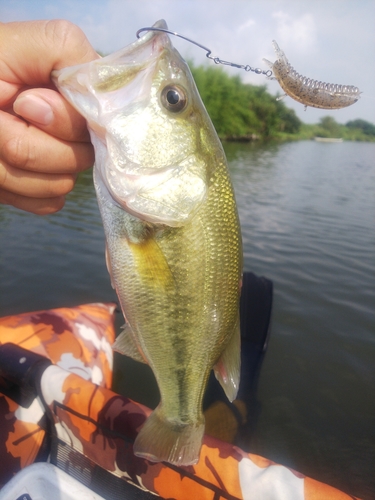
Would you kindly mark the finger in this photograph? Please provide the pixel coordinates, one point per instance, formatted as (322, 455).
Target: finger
(50, 112)
(35, 185)
(27, 147)
(38, 206)
(41, 47)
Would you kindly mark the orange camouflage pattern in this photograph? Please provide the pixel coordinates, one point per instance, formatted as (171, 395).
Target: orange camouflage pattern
(103, 425)
(95, 421)
(78, 339)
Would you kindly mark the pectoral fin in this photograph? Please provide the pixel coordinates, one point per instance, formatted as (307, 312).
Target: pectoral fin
(151, 264)
(125, 344)
(227, 369)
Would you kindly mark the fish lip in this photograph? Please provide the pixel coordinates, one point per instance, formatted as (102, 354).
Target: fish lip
(159, 40)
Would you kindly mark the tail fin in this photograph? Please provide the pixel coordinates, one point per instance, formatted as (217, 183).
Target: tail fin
(162, 440)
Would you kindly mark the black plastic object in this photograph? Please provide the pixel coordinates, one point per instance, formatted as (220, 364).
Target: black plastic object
(255, 320)
(20, 373)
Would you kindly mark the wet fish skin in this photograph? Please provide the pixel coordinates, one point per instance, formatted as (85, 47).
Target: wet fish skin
(172, 231)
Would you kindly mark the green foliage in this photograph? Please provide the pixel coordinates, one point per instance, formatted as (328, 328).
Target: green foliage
(356, 130)
(367, 127)
(239, 110)
(330, 127)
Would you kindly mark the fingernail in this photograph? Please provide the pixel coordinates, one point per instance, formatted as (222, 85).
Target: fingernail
(34, 109)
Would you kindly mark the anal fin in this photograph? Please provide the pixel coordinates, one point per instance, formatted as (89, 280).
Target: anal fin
(227, 369)
(125, 344)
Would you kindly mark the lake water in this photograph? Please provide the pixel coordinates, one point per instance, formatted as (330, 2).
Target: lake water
(307, 212)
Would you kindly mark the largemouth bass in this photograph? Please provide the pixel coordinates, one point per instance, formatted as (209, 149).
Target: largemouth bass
(172, 231)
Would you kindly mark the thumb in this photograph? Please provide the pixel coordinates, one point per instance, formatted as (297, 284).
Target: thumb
(50, 112)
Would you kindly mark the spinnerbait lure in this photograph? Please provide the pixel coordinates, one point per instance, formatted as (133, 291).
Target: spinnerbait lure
(300, 88)
(307, 91)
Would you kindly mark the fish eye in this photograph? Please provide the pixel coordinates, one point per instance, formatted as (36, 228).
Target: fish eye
(173, 98)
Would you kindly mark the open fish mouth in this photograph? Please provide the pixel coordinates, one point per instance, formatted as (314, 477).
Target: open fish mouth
(137, 101)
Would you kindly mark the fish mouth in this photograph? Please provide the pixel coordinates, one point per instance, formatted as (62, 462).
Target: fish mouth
(141, 164)
(83, 84)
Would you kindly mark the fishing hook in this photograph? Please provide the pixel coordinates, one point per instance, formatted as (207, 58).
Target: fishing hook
(216, 60)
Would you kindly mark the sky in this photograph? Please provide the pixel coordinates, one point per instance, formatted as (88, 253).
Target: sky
(328, 40)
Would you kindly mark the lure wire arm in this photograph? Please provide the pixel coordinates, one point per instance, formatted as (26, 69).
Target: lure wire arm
(216, 60)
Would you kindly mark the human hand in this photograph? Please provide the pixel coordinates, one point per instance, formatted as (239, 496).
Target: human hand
(44, 142)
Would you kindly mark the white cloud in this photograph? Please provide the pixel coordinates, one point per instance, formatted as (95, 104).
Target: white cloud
(246, 25)
(300, 31)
